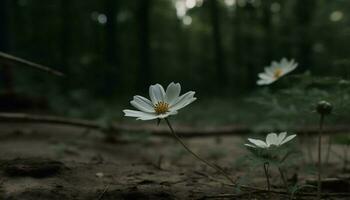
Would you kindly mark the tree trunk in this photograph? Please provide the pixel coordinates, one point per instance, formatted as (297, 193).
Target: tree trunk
(66, 27)
(218, 49)
(305, 11)
(237, 46)
(112, 43)
(6, 72)
(144, 72)
(66, 41)
(248, 44)
(268, 42)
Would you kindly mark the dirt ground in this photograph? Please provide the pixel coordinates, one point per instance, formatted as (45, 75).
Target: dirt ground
(57, 162)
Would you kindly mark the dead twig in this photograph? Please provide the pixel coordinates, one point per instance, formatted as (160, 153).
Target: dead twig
(4, 57)
(103, 192)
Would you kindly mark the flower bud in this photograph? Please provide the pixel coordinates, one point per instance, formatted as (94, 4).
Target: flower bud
(344, 83)
(324, 108)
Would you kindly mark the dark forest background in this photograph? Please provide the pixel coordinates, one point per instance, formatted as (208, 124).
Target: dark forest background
(111, 49)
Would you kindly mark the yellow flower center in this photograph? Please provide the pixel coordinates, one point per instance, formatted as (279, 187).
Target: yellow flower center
(277, 73)
(161, 107)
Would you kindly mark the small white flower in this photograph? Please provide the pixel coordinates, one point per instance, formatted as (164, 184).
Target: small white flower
(162, 103)
(276, 70)
(272, 139)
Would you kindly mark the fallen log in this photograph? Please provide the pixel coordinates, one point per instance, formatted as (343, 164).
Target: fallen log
(163, 131)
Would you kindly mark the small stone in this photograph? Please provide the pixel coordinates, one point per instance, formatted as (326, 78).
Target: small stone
(99, 174)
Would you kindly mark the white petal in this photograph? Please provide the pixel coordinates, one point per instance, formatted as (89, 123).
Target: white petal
(274, 66)
(261, 82)
(271, 139)
(172, 92)
(250, 145)
(283, 72)
(270, 71)
(288, 65)
(266, 81)
(183, 101)
(149, 117)
(281, 137)
(264, 76)
(139, 114)
(173, 112)
(288, 139)
(142, 104)
(294, 66)
(284, 62)
(156, 93)
(291, 67)
(258, 143)
(162, 116)
(132, 113)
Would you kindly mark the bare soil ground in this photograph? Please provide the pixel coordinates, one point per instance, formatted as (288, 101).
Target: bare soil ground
(59, 162)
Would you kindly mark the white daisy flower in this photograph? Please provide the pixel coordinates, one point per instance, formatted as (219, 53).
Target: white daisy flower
(162, 103)
(276, 70)
(272, 139)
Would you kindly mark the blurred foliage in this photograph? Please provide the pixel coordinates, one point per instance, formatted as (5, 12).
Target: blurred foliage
(342, 140)
(292, 101)
(111, 50)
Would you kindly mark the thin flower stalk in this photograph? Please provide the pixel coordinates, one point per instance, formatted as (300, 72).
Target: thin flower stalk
(323, 108)
(283, 179)
(319, 178)
(266, 170)
(195, 155)
(329, 149)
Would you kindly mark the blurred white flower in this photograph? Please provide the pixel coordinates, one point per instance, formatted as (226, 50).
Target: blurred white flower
(276, 70)
(336, 16)
(272, 139)
(162, 103)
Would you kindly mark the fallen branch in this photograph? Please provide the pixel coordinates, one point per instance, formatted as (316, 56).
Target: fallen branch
(161, 131)
(103, 192)
(4, 57)
(28, 118)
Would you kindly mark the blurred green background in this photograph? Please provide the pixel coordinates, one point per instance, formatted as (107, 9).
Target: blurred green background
(113, 49)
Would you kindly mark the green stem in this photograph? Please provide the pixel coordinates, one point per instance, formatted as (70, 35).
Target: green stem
(266, 169)
(283, 178)
(308, 148)
(196, 156)
(328, 149)
(319, 157)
